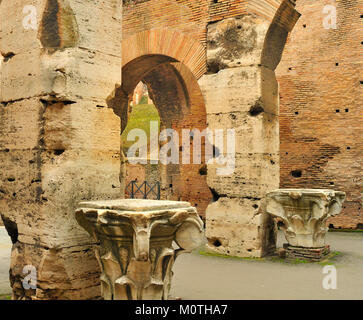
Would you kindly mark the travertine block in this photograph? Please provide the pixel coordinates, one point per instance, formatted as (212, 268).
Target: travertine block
(254, 134)
(69, 75)
(231, 90)
(63, 273)
(227, 219)
(236, 42)
(20, 125)
(254, 175)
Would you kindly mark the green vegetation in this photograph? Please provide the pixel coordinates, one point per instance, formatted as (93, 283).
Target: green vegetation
(140, 118)
(144, 100)
(212, 254)
(330, 260)
(345, 230)
(5, 297)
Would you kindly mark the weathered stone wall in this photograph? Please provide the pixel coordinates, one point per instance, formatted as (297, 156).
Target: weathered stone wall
(59, 143)
(321, 105)
(241, 92)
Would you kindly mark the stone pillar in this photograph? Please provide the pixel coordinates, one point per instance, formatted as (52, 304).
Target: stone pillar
(59, 142)
(304, 214)
(241, 93)
(136, 251)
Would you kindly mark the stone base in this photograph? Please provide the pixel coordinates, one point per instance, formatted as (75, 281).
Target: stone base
(309, 254)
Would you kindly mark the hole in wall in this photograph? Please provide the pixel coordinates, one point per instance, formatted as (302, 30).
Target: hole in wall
(296, 173)
(256, 110)
(58, 152)
(217, 243)
(203, 170)
(8, 56)
(11, 179)
(331, 226)
(215, 195)
(337, 111)
(360, 226)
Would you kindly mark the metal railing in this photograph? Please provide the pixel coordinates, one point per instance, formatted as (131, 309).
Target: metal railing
(145, 189)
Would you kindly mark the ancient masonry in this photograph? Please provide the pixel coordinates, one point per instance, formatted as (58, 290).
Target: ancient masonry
(321, 114)
(65, 88)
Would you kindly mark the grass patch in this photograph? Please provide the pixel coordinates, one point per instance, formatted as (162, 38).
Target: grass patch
(346, 230)
(219, 255)
(140, 118)
(330, 259)
(285, 261)
(5, 297)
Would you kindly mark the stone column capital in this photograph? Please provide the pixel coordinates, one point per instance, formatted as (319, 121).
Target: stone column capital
(136, 237)
(304, 213)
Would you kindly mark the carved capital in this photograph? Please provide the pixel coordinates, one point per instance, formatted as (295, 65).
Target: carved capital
(304, 213)
(136, 252)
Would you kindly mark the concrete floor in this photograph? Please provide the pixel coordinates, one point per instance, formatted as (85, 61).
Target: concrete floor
(215, 278)
(208, 277)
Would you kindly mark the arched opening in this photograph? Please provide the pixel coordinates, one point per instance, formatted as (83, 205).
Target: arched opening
(172, 88)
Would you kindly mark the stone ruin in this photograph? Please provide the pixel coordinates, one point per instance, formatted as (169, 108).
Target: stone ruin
(136, 251)
(65, 88)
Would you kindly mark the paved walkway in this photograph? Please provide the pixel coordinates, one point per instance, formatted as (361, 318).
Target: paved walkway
(205, 277)
(208, 277)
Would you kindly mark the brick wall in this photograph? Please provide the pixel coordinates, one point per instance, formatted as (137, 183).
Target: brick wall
(321, 119)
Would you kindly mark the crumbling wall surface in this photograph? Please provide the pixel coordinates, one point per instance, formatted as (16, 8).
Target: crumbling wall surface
(241, 92)
(59, 143)
(321, 104)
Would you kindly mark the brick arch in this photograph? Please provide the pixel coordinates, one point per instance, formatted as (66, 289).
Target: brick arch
(163, 42)
(283, 22)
